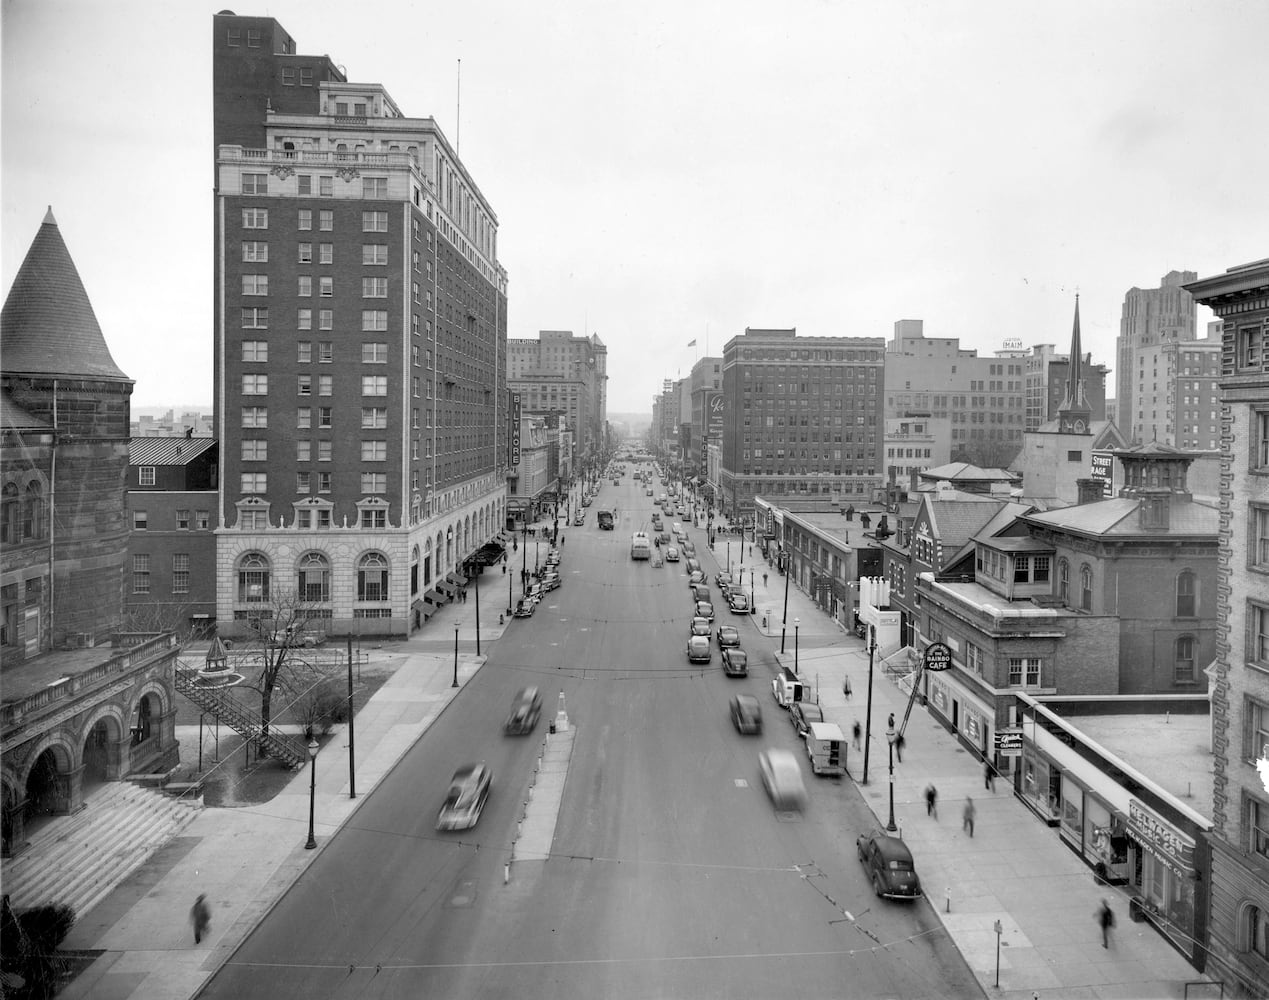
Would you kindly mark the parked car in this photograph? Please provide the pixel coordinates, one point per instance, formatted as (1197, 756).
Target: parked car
(704, 609)
(536, 593)
(550, 581)
(723, 580)
(586, 501)
(465, 800)
(671, 554)
(700, 592)
(782, 778)
(889, 865)
(648, 492)
(697, 576)
(802, 714)
(526, 707)
(699, 626)
(738, 602)
(579, 519)
(746, 715)
(727, 635)
(698, 649)
(692, 565)
(524, 608)
(735, 662)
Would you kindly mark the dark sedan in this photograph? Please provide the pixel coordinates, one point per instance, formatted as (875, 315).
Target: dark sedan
(888, 863)
(802, 714)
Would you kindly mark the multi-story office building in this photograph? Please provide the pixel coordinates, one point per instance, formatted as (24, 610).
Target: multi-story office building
(1178, 393)
(560, 373)
(802, 415)
(360, 338)
(979, 400)
(1239, 919)
(1150, 316)
(706, 425)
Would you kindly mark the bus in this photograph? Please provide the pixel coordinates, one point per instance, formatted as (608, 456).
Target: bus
(605, 520)
(640, 547)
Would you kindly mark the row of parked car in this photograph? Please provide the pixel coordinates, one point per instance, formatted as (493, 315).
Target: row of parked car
(548, 580)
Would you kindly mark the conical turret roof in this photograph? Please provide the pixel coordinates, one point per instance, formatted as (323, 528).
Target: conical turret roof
(48, 326)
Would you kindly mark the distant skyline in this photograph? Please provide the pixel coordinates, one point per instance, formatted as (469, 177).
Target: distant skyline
(664, 174)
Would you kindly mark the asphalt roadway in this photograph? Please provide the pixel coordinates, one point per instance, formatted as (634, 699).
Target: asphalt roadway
(670, 873)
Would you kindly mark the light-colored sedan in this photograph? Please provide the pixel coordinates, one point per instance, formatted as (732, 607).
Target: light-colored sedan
(782, 778)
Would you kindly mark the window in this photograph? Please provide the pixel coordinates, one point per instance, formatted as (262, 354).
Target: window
(373, 482)
(326, 220)
(1186, 595)
(254, 482)
(202, 519)
(255, 183)
(1250, 340)
(234, 39)
(374, 451)
(305, 385)
(325, 351)
(255, 385)
(375, 518)
(1256, 928)
(141, 573)
(1258, 634)
(313, 579)
(325, 385)
(374, 354)
(326, 319)
(255, 350)
(323, 451)
(1258, 550)
(324, 417)
(255, 318)
(326, 253)
(374, 417)
(255, 218)
(303, 482)
(326, 186)
(255, 450)
(372, 576)
(255, 284)
(303, 451)
(306, 76)
(253, 38)
(145, 475)
(326, 286)
(303, 351)
(1258, 827)
(180, 572)
(304, 319)
(374, 319)
(182, 520)
(1024, 671)
(374, 253)
(304, 417)
(323, 482)
(306, 222)
(304, 286)
(1040, 569)
(253, 579)
(973, 659)
(1086, 588)
(1021, 569)
(255, 252)
(1260, 442)
(374, 288)
(374, 187)
(1183, 661)
(288, 76)
(255, 416)
(374, 222)
(140, 520)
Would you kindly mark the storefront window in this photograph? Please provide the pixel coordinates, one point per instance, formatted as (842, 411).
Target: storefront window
(1105, 838)
(1072, 809)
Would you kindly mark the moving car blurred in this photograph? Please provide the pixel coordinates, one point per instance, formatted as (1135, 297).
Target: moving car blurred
(746, 716)
(782, 778)
(692, 565)
(728, 635)
(525, 709)
(735, 662)
(689, 549)
(465, 801)
(802, 714)
(698, 649)
(889, 865)
(700, 592)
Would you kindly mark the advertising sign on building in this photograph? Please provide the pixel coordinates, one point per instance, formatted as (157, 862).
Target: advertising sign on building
(1009, 744)
(1161, 839)
(514, 411)
(1104, 469)
(714, 415)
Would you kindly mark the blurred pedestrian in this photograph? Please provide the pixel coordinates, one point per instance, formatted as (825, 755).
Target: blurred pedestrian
(989, 776)
(931, 801)
(1106, 920)
(764, 579)
(967, 816)
(200, 917)
(855, 731)
(898, 748)
(845, 679)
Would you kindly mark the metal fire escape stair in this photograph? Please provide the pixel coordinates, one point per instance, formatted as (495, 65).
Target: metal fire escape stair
(218, 702)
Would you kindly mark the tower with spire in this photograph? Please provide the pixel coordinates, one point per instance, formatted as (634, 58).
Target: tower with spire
(1075, 414)
(66, 408)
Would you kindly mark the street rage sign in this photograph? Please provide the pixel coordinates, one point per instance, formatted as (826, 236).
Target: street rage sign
(1103, 470)
(937, 656)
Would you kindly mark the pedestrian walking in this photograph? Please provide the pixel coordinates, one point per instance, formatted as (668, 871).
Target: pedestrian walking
(845, 680)
(898, 748)
(989, 776)
(855, 731)
(764, 579)
(967, 817)
(200, 917)
(1105, 917)
(931, 801)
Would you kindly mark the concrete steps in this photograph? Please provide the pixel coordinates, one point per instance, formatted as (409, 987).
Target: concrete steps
(79, 859)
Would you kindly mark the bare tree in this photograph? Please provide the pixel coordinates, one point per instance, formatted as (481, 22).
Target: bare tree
(987, 454)
(157, 617)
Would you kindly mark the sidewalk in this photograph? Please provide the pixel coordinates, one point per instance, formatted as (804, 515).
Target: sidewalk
(246, 858)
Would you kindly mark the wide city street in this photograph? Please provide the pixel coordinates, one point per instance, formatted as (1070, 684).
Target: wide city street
(671, 873)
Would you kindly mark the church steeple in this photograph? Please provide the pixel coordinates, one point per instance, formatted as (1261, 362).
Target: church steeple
(1075, 413)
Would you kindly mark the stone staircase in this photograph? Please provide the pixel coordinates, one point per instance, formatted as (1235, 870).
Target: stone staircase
(220, 703)
(79, 859)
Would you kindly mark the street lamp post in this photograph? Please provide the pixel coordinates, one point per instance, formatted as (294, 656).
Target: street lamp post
(796, 623)
(752, 606)
(524, 570)
(784, 566)
(312, 789)
(477, 579)
(510, 602)
(455, 684)
(872, 649)
(890, 738)
(729, 557)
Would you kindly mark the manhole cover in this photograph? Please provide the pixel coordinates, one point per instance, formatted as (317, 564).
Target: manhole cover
(464, 895)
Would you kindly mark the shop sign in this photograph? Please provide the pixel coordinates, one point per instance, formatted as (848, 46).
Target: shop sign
(1009, 744)
(1161, 838)
(937, 656)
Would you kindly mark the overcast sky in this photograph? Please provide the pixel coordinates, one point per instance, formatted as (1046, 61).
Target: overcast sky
(673, 171)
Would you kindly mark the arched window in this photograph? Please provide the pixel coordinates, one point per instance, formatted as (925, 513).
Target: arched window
(372, 577)
(33, 511)
(10, 515)
(1064, 582)
(1183, 660)
(1086, 588)
(1186, 595)
(414, 571)
(1256, 930)
(253, 579)
(312, 583)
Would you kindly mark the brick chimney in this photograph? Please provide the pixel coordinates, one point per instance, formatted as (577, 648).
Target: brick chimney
(1090, 491)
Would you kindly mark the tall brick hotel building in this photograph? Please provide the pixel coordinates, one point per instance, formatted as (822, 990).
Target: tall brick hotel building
(361, 325)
